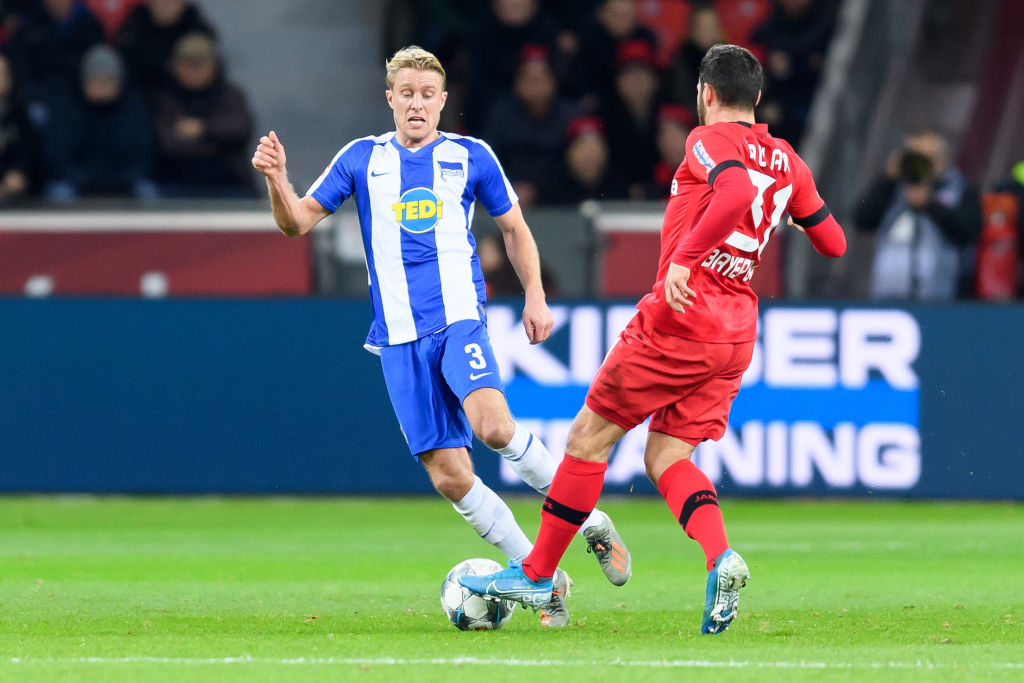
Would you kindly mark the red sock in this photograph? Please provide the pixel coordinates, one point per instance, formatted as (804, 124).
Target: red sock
(571, 498)
(693, 500)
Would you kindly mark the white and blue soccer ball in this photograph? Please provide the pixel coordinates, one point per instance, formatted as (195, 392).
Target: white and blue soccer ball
(468, 611)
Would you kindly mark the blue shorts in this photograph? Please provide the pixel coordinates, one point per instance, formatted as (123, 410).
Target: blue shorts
(428, 379)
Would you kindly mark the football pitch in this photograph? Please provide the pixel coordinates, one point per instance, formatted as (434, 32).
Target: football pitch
(253, 589)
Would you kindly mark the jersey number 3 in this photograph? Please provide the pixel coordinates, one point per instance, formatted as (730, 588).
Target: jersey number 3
(780, 198)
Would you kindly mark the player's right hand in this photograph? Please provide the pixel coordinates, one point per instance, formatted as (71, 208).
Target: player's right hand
(269, 158)
(678, 294)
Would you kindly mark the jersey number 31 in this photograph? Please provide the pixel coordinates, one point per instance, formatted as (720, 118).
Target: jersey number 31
(780, 199)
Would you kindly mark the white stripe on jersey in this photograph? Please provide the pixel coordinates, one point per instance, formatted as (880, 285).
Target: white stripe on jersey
(318, 181)
(513, 197)
(454, 253)
(384, 185)
(742, 242)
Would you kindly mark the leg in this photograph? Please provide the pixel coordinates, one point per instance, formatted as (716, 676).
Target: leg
(689, 493)
(489, 417)
(574, 490)
(572, 496)
(675, 430)
(591, 436)
(492, 423)
(625, 391)
(451, 472)
(467, 356)
(438, 435)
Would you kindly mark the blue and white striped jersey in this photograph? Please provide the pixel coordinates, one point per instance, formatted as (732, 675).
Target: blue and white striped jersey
(415, 209)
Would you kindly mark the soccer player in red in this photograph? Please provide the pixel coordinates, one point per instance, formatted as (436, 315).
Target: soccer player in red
(681, 358)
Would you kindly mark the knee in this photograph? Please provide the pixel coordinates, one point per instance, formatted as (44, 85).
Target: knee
(582, 444)
(453, 485)
(662, 453)
(452, 479)
(654, 470)
(495, 430)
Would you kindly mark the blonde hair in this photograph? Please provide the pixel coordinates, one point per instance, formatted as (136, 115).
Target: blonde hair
(413, 57)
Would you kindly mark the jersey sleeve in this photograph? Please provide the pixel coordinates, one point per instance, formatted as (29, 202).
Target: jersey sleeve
(337, 182)
(709, 152)
(492, 187)
(806, 206)
(810, 212)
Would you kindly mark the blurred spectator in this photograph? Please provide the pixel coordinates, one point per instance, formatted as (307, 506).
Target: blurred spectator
(611, 24)
(112, 14)
(150, 33)
(674, 125)
(705, 31)
(589, 175)
(527, 128)
(499, 274)
(11, 12)
(98, 140)
(794, 39)
(630, 111)
(203, 126)
(494, 51)
(18, 142)
(439, 26)
(1014, 184)
(48, 45)
(927, 216)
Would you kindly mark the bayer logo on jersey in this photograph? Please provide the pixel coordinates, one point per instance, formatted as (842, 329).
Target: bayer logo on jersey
(418, 210)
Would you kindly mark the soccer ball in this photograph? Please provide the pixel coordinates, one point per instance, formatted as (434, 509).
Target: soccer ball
(468, 611)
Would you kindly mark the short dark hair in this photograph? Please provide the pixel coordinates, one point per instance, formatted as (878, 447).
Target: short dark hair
(734, 73)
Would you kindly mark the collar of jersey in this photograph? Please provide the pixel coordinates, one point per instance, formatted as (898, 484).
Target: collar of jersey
(758, 128)
(405, 151)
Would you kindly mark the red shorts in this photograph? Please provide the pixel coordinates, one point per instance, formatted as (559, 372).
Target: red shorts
(685, 386)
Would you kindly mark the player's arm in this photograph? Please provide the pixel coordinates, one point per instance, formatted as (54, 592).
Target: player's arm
(811, 215)
(293, 215)
(524, 257)
(732, 194)
(824, 232)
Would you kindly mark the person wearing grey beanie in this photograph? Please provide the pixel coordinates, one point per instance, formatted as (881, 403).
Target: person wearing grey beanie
(98, 140)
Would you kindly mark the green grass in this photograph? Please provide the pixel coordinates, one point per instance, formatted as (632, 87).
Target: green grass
(116, 589)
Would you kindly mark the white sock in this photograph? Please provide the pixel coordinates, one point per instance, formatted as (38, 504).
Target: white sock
(531, 461)
(490, 517)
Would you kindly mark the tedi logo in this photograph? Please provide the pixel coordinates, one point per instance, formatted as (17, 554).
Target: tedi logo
(418, 210)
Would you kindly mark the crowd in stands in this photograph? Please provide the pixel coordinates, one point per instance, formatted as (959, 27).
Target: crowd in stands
(587, 99)
(117, 98)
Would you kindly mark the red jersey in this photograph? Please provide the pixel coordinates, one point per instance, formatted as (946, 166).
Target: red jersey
(725, 308)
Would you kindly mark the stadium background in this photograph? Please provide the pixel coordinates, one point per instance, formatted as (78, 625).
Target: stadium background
(183, 346)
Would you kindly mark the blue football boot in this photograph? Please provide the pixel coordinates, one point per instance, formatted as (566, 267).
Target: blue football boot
(728, 574)
(510, 584)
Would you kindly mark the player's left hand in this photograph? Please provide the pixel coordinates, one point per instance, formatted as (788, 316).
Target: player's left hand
(537, 320)
(678, 294)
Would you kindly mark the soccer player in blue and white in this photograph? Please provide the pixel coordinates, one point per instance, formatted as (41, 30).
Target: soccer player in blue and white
(415, 190)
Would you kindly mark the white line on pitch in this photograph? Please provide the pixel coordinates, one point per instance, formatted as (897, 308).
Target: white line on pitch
(512, 661)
